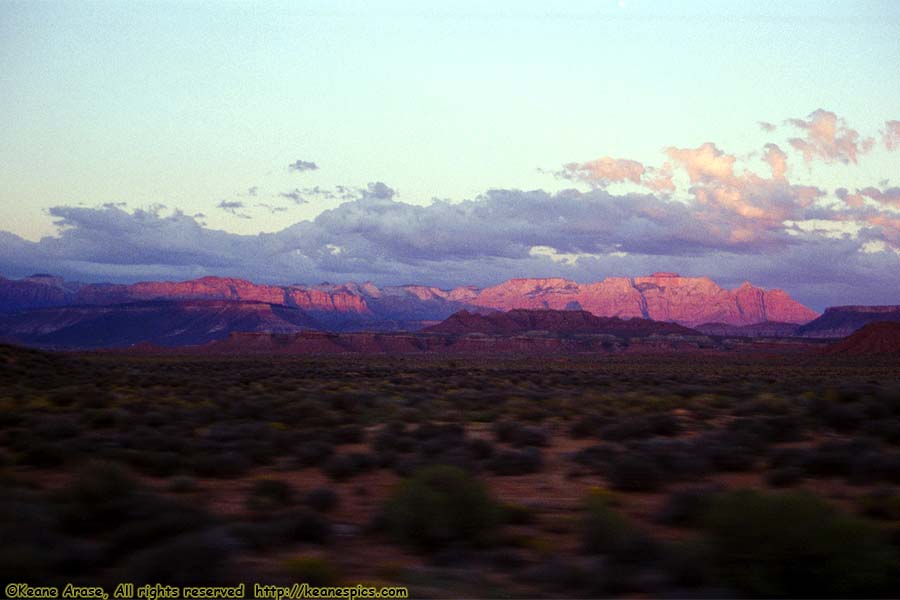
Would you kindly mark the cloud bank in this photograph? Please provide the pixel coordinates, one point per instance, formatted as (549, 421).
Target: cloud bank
(698, 213)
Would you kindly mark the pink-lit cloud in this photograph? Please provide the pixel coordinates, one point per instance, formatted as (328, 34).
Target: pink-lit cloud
(776, 159)
(891, 135)
(889, 197)
(829, 138)
(704, 163)
(604, 171)
(659, 179)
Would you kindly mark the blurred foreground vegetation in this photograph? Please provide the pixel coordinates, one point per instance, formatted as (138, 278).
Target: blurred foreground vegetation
(584, 476)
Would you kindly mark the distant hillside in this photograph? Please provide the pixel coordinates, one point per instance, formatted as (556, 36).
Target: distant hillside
(841, 321)
(37, 291)
(764, 329)
(882, 337)
(165, 323)
(565, 322)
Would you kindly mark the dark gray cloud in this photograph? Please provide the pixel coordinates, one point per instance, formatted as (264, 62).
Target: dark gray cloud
(230, 205)
(233, 206)
(296, 196)
(338, 192)
(271, 208)
(303, 165)
(379, 190)
(501, 234)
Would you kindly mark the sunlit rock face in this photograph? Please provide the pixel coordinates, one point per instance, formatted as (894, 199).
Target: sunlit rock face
(661, 297)
(669, 297)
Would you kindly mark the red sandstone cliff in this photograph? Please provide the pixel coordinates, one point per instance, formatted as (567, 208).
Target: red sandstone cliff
(661, 297)
(689, 301)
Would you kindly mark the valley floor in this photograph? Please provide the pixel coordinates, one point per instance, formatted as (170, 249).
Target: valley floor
(586, 476)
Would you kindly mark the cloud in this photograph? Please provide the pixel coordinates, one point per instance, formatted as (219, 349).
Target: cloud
(303, 165)
(504, 233)
(659, 180)
(271, 208)
(604, 171)
(776, 159)
(766, 126)
(379, 190)
(891, 135)
(230, 205)
(252, 191)
(829, 138)
(233, 206)
(339, 192)
(704, 163)
(295, 195)
(889, 197)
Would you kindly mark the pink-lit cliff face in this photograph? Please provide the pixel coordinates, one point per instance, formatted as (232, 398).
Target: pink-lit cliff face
(661, 297)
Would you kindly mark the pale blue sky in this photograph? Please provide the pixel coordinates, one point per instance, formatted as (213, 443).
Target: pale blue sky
(192, 104)
(187, 104)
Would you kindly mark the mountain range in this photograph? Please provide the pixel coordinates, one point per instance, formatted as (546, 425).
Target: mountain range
(49, 311)
(688, 301)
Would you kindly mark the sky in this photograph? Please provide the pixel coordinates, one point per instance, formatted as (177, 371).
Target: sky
(454, 143)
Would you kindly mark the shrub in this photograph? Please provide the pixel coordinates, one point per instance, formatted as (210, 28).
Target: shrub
(687, 507)
(155, 519)
(626, 429)
(635, 473)
(506, 431)
(31, 548)
(785, 476)
(606, 531)
(440, 506)
(406, 465)
(349, 434)
(313, 453)
(516, 462)
(344, 466)
(587, 426)
(678, 459)
(321, 499)
(596, 457)
(479, 449)
(688, 563)
(793, 544)
(882, 503)
(530, 436)
(730, 455)
(516, 514)
(226, 465)
(314, 570)
(192, 559)
(835, 459)
(269, 493)
(789, 457)
(100, 497)
(43, 455)
(844, 417)
(304, 525)
(182, 484)
(155, 463)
